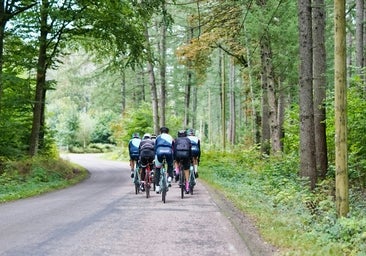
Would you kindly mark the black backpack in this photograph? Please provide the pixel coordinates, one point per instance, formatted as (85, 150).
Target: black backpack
(182, 144)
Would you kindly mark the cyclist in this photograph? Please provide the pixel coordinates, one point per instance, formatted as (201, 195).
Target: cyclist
(153, 137)
(196, 150)
(182, 152)
(147, 155)
(133, 149)
(163, 148)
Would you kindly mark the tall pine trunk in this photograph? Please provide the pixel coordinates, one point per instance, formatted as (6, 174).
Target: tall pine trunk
(319, 73)
(307, 141)
(153, 89)
(163, 74)
(360, 20)
(340, 77)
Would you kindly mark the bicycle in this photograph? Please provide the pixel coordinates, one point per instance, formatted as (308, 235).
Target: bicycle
(148, 179)
(192, 179)
(182, 179)
(163, 182)
(137, 178)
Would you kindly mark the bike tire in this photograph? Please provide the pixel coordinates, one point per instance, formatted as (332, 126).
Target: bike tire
(137, 188)
(163, 195)
(181, 181)
(147, 189)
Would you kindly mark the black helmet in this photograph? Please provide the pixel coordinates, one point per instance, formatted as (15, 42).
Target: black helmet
(164, 129)
(182, 133)
(190, 132)
(136, 135)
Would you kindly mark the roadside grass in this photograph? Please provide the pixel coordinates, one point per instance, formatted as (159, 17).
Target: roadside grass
(288, 215)
(34, 176)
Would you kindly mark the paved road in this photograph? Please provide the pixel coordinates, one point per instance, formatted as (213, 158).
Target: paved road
(104, 216)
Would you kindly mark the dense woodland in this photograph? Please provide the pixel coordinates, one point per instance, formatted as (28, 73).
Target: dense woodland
(282, 76)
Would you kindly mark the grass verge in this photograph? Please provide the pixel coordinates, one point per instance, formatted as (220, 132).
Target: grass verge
(34, 176)
(287, 214)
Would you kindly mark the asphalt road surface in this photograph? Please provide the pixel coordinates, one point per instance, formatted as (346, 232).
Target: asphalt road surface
(104, 216)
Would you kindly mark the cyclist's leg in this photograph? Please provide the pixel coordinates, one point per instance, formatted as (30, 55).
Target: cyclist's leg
(176, 170)
(158, 164)
(132, 166)
(186, 165)
(195, 165)
(169, 160)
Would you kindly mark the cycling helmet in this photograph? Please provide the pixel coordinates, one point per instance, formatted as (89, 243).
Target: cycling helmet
(136, 135)
(146, 136)
(190, 132)
(182, 133)
(164, 129)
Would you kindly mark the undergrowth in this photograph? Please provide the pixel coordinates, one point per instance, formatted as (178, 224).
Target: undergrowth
(289, 216)
(33, 176)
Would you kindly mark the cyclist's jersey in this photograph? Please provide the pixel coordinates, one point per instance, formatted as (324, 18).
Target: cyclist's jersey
(146, 145)
(164, 140)
(196, 147)
(133, 147)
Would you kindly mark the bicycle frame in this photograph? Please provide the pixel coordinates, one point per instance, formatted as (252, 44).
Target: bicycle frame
(137, 178)
(148, 179)
(192, 179)
(163, 183)
(182, 179)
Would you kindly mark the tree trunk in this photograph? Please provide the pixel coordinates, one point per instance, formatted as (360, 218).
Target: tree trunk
(307, 141)
(223, 99)
(319, 73)
(163, 74)
(40, 81)
(232, 110)
(123, 92)
(267, 68)
(154, 95)
(265, 124)
(340, 77)
(2, 34)
(187, 96)
(360, 58)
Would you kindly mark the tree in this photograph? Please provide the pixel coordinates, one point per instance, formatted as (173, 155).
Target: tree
(307, 141)
(54, 22)
(8, 10)
(319, 73)
(360, 56)
(340, 77)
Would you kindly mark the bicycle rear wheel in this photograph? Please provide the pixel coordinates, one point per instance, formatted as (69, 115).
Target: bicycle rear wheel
(181, 182)
(147, 183)
(163, 195)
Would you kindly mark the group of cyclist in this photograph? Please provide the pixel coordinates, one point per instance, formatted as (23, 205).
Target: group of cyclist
(152, 150)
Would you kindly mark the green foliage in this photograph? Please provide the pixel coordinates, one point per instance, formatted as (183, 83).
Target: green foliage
(288, 214)
(356, 129)
(138, 120)
(29, 177)
(292, 130)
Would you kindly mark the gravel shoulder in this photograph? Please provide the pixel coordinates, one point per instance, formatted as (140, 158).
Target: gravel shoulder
(243, 224)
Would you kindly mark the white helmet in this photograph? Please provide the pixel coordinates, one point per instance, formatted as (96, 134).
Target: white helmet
(146, 136)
